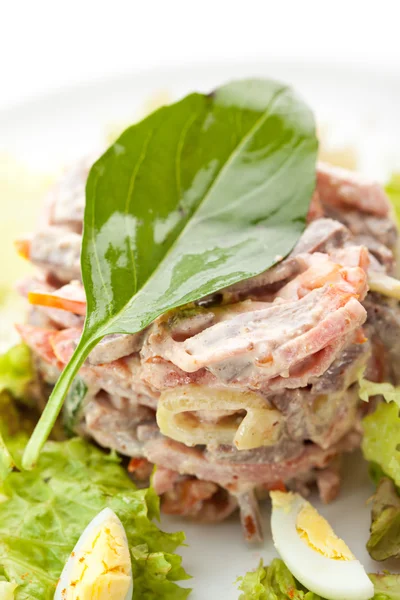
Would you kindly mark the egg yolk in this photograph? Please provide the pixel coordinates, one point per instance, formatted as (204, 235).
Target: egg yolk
(282, 500)
(319, 535)
(102, 568)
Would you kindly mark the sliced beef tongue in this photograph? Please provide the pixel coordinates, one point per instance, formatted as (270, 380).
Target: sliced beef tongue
(378, 234)
(362, 206)
(204, 501)
(322, 235)
(113, 423)
(241, 479)
(250, 516)
(254, 347)
(56, 250)
(240, 476)
(120, 377)
(66, 200)
(342, 188)
(115, 346)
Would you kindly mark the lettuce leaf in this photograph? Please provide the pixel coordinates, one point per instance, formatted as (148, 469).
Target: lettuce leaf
(370, 388)
(381, 440)
(274, 582)
(384, 541)
(15, 429)
(381, 446)
(45, 511)
(16, 370)
(387, 586)
(277, 583)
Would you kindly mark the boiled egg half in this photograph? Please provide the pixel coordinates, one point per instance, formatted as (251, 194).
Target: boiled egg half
(315, 555)
(99, 568)
(7, 590)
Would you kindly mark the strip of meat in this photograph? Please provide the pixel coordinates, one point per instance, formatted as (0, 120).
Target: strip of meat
(116, 427)
(322, 269)
(250, 516)
(322, 235)
(383, 327)
(238, 477)
(315, 211)
(378, 234)
(273, 339)
(61, 318)
(328, 482)
(114, 347)
(56, 250)
(66, 200)
(339, 187)
(203, 501)
(164, 480)
(120, 377)
(39, 340)
(72, 297)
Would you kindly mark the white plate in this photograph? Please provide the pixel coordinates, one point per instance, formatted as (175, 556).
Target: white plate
(358, 107)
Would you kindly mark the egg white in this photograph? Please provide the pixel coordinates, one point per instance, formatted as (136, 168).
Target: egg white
(331, 578)
(102, 518)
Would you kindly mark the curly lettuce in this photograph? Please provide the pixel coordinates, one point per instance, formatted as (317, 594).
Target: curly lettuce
(381, 447)
(44, 512)
(16, 370)
(387, 586)
(384, 541)
(276, 582)
(382, 439)
(369, 388)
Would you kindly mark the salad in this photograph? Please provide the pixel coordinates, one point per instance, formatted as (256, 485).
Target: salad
(213, 318)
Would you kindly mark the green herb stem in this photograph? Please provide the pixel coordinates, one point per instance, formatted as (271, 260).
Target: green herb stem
(55, 403)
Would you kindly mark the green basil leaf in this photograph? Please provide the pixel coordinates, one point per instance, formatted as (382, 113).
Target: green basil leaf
(199, 195)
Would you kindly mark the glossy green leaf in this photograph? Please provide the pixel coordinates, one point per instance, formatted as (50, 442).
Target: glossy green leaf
(201, 194)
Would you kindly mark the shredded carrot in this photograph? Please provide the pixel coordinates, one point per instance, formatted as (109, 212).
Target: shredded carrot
(45, 299)
(277, 486)
(136, 463)
(23, 248)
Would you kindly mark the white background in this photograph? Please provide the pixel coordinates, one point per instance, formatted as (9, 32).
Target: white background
(46, 45)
